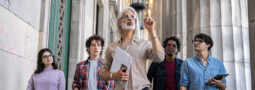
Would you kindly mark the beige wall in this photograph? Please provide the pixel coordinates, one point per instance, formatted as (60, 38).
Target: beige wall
(18, 51)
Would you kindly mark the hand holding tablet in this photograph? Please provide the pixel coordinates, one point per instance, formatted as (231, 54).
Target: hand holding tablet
(220, 76)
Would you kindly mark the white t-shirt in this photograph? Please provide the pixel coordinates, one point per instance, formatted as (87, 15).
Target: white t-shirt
(92, 81)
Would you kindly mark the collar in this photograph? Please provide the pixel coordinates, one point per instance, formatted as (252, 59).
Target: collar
(48, 68)
(100, 60)
(132, 41)
(177, 60)
(208, 58)
(93, 61)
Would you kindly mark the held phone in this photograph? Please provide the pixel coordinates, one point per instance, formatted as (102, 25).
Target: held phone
(124, 70)
(220, 76)
(124, 66)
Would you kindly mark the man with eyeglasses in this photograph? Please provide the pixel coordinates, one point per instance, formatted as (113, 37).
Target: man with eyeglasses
(198, 72)
(140, 51)
(166, 74)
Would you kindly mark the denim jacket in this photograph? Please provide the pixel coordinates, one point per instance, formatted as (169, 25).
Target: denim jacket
(158, 72)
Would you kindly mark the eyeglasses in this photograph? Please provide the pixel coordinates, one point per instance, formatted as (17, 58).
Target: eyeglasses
(47, 56)
(173, 45)
(94, 45)
(197, 41)
(129, 16)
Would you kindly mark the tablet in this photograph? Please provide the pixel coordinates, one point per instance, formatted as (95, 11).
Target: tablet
(220, 76)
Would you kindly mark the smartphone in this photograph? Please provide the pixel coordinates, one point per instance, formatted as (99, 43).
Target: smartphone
(124, 66)
(220, 76)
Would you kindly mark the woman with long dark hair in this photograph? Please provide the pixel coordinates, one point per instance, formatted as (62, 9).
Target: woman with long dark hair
(46, 75)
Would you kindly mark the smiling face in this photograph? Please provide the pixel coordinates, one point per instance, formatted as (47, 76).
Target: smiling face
(47, 59)
(171, 48)
(95, 48)
(127, 21)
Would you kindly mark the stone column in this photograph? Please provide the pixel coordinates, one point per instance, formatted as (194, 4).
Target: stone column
(205, 16)
(76, 46)
(165, 19)
(179, 26)
(227, 42)
(172, 20)
(238, 50)
(215, 28)
(229, 30)
(183, 35)
(82, 27)
(241, 43)
(251, 7)
(226, 21)
(193, 24)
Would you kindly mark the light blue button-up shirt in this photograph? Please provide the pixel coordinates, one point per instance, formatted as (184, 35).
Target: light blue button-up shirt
(194, 74)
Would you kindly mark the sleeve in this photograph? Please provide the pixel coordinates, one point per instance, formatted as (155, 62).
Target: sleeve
(184, 81)
(30, 85)
(62, 81)
(151, 72)
(157, 56)
(107, 63)
(76, 79)
(223, 71)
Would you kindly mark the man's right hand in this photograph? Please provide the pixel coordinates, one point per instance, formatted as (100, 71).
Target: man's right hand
(218, 83)
(120, 75)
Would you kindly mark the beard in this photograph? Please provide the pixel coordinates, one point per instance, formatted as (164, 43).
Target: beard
(125, 26)
(170, 54)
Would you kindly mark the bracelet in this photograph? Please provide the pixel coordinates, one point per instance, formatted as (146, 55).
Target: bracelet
(154, 37)
(110, 75)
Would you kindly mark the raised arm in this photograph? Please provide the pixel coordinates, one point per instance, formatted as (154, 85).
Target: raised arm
(150, 25)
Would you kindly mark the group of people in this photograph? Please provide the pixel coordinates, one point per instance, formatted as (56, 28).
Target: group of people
(167, 72)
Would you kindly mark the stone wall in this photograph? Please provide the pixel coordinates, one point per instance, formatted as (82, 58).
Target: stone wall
(18, 51)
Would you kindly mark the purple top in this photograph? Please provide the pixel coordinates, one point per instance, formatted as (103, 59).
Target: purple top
(49, 79)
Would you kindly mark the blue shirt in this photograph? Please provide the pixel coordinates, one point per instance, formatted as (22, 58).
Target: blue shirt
(194, 75)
